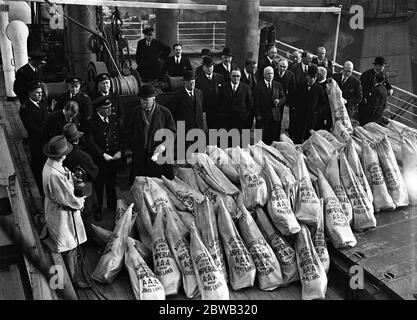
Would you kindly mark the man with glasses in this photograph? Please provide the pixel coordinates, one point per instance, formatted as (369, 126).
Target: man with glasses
(269, 101)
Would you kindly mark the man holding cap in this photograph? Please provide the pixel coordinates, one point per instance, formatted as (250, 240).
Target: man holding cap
(149, 55)
(32, 71)
(209, 83)
(105, 147)
(187, 105)
(83, 100)
(225, 67)
(309, 105)
(33, 114)
(145, 121)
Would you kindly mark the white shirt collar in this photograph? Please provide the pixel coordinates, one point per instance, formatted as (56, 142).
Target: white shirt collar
(36, 103)
(233, 85)
(267, 82)
(188, 91)
(270, 60)
(304, 65)
(177, 58)
(209, 76)
(101, 117)
(33, 68)
(226, 66)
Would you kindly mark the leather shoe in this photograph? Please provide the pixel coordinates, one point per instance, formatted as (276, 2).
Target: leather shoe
(98, 216)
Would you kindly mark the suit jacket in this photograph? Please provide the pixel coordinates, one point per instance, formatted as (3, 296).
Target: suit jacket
(24, 76)
(54, 123)
(141, 163)
(84, 102)
(33, 119)
(237, 106)
(326, 63)
(288, 84)
(78, 157)
(266, 63)
(219, 68)
(184, 108)
(176, 70)
(309, 104)
(103, 137)
(210, 91)
(299, 73)
(198, 71)
(351, 89)
(264, 100)
(367, 82)
(147, 58)
(377, 102)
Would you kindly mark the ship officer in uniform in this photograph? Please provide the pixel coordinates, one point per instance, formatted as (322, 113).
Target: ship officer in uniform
(105, 147)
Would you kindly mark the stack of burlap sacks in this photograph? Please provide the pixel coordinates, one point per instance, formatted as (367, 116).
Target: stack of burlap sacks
(259, 216)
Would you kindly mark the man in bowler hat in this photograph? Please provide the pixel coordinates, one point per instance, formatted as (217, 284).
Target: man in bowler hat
(145, 121)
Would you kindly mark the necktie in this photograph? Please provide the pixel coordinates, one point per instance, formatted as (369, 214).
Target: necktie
(191, 94)
(234, 88)
(177, 60)
(148, 43)
(305, 69)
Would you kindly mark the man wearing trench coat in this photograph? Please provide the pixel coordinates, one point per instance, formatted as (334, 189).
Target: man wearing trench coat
(145, 121)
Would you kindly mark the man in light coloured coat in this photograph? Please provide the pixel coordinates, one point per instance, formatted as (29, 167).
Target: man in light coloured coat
(63, 208)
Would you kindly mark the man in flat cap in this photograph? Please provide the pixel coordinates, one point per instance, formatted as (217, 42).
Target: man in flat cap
(187, 105)
(145, 121)
(150, 53)
(84, 102)
(209, 83)
(176, 65)
(225, 67)
(32, 71)
(204, 53)
(309, 105)
(105, 147)
(33, 114)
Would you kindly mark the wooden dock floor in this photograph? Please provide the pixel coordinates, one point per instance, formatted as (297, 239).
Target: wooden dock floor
(388, 253)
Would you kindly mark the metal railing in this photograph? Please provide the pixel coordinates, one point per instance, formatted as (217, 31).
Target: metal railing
(402, 105)
(195, 35)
